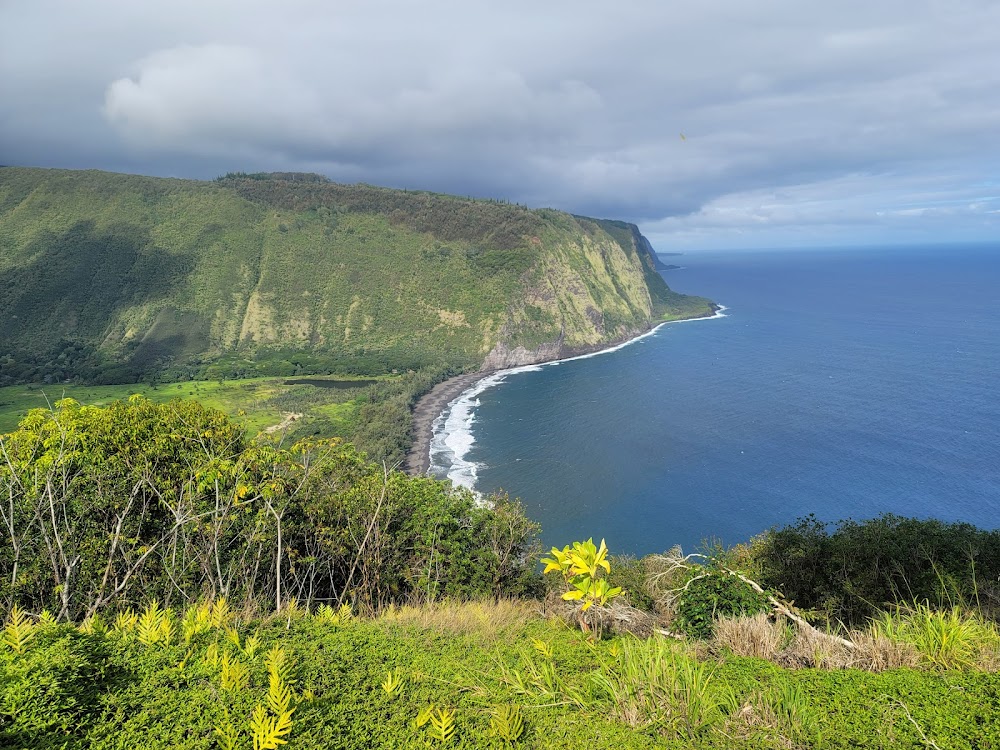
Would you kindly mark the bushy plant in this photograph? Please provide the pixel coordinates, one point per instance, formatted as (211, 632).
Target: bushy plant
(861, 567)
(712, 595)
(167, 501)
(580, 567)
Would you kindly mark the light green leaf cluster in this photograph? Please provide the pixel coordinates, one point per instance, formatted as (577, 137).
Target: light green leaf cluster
(581, 566)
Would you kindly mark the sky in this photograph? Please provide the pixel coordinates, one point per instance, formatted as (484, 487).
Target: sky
(715, 124)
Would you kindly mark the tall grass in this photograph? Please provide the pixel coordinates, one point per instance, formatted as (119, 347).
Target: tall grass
(654, 683)
(782, 711)
(761, 636)
(945, 639)
(488, 619)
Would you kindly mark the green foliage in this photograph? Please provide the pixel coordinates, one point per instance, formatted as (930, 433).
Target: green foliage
(233, 674)
(442, 727)
(281, 274)
(580, 566)
(710, 595)
(99, 692)
(168, 500)
(269, 731)
(853, 572)
(507, 723)
(53, 689)
(946, 639)
(19, 631)
(785, 709)
(632, 577)
(155, 625)
(227, 733)
(655, 684)
(392, 683)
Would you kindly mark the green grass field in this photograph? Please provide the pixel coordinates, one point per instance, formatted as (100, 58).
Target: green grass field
(264, 402)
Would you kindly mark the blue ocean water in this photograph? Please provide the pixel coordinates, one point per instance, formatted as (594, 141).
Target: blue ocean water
(845, 383)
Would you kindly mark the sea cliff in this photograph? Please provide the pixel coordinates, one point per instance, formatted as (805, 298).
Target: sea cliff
(113, 278)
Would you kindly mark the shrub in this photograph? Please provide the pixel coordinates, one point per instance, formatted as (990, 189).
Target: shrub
(709, 596)
(851, 573)
(172, 501)
(52, 689)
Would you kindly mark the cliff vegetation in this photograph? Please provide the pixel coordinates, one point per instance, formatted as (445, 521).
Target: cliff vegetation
(110, 278)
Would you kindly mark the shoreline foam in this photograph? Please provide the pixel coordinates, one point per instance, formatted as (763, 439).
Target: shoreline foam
(451, 436)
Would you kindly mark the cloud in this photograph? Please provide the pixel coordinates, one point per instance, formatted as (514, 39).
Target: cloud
(576, 105)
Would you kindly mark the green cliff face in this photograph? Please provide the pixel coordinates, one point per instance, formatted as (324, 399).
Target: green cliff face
(111, 277)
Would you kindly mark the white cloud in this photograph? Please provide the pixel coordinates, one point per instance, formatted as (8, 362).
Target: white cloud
(578, 105)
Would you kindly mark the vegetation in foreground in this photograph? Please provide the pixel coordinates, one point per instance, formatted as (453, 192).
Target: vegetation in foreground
(490, 675)
(169, 582)
(106, 507)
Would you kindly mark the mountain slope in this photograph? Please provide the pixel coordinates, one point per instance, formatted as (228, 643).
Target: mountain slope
(111, 277)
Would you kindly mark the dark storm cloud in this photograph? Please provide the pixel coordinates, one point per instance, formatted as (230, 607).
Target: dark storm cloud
(709, 123)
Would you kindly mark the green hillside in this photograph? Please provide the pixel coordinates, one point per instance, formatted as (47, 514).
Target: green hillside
(110, 278)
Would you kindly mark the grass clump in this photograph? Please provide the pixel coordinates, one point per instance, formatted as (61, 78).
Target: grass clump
(944, 639)
(654, 683)
(761, 636)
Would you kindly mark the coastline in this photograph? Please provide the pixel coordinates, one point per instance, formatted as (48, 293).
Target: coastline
(427, 409)
(439, 399)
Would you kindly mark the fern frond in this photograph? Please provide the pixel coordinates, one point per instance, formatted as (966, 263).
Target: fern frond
(269, 732)
(234, 673)
(250, 645)
(19, 631)
(279, 697)
(125, 622)
(188, 630)
(221, 613)
(233, 636)
(542, 647)
(93, 625)
(442, 726)
(423, 716)
(392, 683)
(196, 620)
(46, 619)
(278, 665)
(326, 613)
(149, 623)
(227, 734)
(168, 627)
(507, 723)
(211, 654)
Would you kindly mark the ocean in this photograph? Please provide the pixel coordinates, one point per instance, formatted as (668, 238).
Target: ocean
(843, 383)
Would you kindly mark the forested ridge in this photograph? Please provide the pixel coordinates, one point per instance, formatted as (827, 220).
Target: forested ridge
(110, 278)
